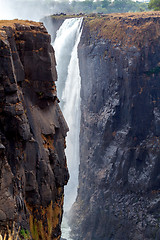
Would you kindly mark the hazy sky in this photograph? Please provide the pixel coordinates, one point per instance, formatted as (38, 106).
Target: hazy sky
(10, 9)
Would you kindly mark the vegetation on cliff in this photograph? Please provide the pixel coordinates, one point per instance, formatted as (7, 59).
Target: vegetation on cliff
(127, 28)
(154, 4)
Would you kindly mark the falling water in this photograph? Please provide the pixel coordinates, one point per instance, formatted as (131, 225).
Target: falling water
(68, 84)
(68, 88)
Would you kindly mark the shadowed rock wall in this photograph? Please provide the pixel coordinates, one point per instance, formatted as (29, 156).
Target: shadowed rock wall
(119, 179)
(33, 168)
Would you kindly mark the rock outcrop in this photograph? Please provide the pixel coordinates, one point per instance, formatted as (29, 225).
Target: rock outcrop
(119, 179)
(33, 168)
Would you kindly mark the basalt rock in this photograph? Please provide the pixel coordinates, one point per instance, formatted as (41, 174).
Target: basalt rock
(33, 168)
(119, 180)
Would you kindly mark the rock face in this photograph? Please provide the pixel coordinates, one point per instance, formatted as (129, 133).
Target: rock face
(33, 168)
(119, 180)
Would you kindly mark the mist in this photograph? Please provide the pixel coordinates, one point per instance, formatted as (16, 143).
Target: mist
(28, 9)
(37, 9)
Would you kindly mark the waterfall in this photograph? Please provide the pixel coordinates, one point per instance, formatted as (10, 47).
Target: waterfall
(68, 88)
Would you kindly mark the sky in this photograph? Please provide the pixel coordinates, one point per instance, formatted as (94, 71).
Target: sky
(9, 9)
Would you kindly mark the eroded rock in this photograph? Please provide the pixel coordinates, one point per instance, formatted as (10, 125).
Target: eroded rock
(119, 183)
(32, 127)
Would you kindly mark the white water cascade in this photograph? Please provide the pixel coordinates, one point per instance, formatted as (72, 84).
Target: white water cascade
(68, 88)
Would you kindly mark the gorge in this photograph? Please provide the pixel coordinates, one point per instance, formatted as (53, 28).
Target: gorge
(68, 88)
(118, 195)
(119, 173)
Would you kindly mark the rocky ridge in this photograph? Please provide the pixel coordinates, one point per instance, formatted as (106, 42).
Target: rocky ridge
(33, 168)
(119, 180)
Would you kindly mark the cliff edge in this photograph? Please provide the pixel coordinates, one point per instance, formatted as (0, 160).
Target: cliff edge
(33, 168)
(119, 179)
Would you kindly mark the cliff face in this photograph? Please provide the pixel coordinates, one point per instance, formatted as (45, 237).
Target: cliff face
(119, 179)
(32, 131)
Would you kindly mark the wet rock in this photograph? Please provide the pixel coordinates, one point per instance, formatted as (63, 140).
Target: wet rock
(2, 147)
(31, 126)
(2, 216)
(118, 195)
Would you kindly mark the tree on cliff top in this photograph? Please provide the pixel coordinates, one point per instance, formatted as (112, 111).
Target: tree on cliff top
(154, 4)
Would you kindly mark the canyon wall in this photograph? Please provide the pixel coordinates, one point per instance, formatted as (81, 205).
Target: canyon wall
(119, 180)
(33, 168)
